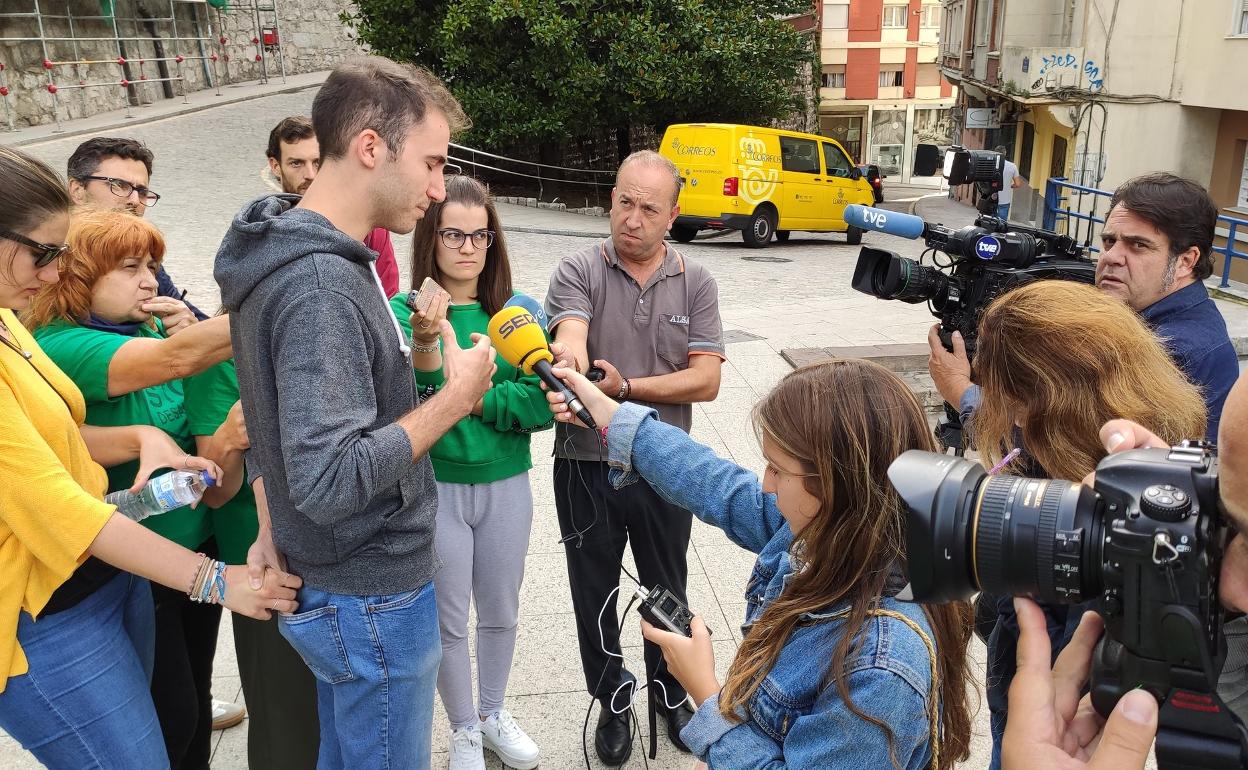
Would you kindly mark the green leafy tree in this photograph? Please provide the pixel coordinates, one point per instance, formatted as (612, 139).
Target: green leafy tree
(550, 71)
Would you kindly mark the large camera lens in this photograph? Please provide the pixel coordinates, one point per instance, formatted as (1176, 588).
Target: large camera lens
(1006, 535)
(887, 275)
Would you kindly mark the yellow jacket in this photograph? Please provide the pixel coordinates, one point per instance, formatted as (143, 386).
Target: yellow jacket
(51, 491)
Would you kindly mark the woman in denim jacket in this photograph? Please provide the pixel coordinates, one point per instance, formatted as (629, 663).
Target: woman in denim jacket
(833, 670)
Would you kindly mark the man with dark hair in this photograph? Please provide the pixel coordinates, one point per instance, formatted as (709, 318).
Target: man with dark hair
(337, 437)
(1156, 249)
(294, 158)
(113, 173)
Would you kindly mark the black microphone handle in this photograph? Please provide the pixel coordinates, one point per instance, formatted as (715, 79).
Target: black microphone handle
(546, 372)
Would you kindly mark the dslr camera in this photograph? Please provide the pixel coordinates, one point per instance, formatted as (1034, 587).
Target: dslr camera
(1146, 543)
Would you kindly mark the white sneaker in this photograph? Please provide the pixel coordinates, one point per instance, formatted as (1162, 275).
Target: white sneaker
(226, 715)
(504, 737)
(466, 753)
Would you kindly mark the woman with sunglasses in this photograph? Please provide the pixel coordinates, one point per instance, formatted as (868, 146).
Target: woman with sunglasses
(74, 685)
(485, 504)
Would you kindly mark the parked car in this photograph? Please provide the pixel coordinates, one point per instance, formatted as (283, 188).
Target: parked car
(762, 181)
(871, 173)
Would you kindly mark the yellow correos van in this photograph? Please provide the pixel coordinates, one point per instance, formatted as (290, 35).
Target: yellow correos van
(762, 181)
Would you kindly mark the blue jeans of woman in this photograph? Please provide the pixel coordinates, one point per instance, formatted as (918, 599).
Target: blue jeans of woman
(375, 659)
(85, 702)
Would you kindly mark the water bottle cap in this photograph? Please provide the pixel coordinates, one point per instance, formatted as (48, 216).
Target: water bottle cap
(209, 481)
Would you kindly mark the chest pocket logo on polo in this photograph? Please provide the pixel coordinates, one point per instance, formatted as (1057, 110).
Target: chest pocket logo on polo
(673, 339)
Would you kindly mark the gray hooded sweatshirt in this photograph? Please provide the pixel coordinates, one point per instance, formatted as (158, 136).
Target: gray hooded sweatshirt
(323, 379)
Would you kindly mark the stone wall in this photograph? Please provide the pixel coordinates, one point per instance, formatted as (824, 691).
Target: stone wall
(312, 39)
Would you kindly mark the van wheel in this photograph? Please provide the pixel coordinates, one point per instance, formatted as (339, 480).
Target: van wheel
(782, 236)
(853, 236)
(683, 233)
(758, 231)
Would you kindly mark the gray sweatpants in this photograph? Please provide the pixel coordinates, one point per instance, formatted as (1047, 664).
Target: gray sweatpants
(482, 538)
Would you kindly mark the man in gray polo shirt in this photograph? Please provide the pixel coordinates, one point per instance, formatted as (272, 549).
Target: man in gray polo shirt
(633, 306)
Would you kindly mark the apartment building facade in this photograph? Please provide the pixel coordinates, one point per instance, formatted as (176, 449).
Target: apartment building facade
(1098, 91)
(882, 95)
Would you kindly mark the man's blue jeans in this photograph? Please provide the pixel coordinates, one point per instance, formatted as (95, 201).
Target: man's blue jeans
(375, 659)
(86, 700)
(1003, 211)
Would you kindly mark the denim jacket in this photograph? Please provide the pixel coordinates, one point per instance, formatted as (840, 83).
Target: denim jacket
(795, 718)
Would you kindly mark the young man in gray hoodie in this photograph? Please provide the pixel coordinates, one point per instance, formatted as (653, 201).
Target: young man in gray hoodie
(327, 392)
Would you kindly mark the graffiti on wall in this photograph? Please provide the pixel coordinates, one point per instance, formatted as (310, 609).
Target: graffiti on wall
(1068, 61)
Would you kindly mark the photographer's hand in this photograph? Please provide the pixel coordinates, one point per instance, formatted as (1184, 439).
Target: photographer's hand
(1050, 726)
(951, 372)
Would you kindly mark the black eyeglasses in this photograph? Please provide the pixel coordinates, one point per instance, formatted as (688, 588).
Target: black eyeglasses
(45, 253)
(122, 189)
(453, 239)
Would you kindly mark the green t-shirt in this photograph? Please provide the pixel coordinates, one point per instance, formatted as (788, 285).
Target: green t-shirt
(209, 398)
(84, 354)
(494, 445)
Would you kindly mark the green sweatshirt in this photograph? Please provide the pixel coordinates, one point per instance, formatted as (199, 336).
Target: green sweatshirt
(495, 444)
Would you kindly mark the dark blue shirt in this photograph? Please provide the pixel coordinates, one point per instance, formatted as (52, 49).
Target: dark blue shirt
(166, 288)
(1192, 329)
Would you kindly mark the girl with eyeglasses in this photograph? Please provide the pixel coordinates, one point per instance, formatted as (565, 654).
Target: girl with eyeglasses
(485, 504)
(74, 686)
(833, 671)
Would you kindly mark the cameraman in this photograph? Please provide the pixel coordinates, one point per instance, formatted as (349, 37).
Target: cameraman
(1156, 249)
(1049, 726)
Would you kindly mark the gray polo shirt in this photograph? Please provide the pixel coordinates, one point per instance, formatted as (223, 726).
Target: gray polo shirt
(642, 330)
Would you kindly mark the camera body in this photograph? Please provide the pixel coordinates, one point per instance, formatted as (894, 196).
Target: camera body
(988, 259)
(1146, 542)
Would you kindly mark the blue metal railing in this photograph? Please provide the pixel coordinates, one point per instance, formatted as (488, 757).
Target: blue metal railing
(1056, 194)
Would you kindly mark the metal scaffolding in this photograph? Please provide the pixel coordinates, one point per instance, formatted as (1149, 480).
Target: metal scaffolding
(197, 39)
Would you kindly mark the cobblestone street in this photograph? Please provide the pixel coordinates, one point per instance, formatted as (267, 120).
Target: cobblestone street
(795, 294)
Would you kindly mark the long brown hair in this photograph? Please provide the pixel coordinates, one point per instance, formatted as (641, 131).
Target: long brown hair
(1060, 359)
(99, 241)
(846, 421)
(494, 283)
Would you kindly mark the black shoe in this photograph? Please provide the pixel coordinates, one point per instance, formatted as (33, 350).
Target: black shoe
(613, 740)
(677, 718)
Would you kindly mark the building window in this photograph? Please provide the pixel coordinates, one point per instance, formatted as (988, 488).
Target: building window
(930, 17)
(895, 15)
(890, 78)
(1241, 18)
(834, 76)
(835, 16)
(928, 74)
(1241, 201)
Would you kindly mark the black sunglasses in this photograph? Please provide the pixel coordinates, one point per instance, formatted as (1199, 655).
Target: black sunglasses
(44, 252)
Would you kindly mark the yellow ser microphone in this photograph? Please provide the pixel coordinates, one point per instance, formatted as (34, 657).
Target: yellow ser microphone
(519, 338)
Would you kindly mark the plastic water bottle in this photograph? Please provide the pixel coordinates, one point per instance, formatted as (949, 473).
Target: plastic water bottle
(162, 494)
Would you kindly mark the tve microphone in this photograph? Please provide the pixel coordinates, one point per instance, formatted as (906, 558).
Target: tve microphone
(531, 305)
(884, 221)
(517, 336)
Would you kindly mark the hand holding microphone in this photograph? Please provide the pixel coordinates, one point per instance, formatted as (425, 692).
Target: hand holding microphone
(518, 336)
